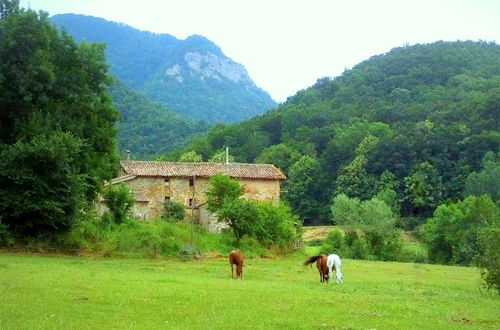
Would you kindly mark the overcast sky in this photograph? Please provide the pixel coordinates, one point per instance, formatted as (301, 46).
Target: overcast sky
(287, 44)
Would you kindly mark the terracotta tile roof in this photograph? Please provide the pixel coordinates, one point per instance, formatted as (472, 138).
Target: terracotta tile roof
(122, 178)
(172, 169)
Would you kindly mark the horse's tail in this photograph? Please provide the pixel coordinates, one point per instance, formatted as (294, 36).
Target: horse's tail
(337, 269)
(311, 260)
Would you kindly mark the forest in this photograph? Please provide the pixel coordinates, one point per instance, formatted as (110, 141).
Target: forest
(418, 126)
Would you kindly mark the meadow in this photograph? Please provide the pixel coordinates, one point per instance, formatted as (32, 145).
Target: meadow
(62, 292)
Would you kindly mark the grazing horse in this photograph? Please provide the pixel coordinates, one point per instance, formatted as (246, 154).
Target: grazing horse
(321, 265)
(236, 258)
(333, 261)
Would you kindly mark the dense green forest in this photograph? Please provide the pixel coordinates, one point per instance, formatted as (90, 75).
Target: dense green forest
(413, 126)
(191, 77)
(147, 127)
(57, 124)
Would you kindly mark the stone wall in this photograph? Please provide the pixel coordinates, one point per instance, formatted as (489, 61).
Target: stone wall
(180, 190)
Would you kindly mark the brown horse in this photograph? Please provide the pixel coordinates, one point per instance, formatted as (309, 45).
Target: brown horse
(236, 258)
(321, 265)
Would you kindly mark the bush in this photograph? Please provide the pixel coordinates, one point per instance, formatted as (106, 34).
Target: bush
(490, 261)
(358, 250)
(333, 243)
(173, 211)
(276, 225)
(119, 201)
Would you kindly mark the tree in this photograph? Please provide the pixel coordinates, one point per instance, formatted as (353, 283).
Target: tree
(486, 181)
(280, 155)
(8, 7)
(303, 189)
(190, 157)
(353, 180)
(51, 89)
(453, 233)
(423, 189)
(220, 157)
(241, 215)
(352, 211)
(222, 188)
(119, 200)
(42, 187)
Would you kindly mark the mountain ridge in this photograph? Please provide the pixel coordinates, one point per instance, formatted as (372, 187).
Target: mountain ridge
(191, 76)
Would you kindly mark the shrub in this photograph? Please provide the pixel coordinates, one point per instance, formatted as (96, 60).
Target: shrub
(173, 211)
(119, 201)
(276, 225)
(359, 249)
(333, 243)
(490, 261)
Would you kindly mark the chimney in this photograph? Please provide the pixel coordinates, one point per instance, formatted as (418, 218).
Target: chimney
(128, 154)
(227, 155)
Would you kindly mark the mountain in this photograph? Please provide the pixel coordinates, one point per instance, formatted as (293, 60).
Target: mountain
(418, 119)
(147, 127)
(192, 76)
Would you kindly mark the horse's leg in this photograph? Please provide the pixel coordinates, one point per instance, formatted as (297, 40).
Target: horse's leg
(232, 271)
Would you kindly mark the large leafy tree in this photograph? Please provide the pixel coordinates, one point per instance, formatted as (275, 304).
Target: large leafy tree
(51, 90)
(304, 190)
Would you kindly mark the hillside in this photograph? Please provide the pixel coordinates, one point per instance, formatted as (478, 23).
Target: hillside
(192, 77)
(147, 127)
(417, 120)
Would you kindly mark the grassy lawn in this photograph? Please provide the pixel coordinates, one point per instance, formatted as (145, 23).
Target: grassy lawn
(42, 292)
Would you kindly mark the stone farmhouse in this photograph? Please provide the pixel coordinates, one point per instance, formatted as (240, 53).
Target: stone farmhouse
(153, 183)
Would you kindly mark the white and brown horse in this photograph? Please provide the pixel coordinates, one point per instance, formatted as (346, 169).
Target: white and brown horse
(325, 264)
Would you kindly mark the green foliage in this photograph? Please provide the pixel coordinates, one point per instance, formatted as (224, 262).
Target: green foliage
(303, 190)
(148, 127)
(190, 157)
(486, 181)
(5, 236)
(119, 200)
(57, 124)
(333, 243)
(372, 243)
(276, 225)
(423, 189)
(433, 109)
(346, 210)
(452, 234)
(222, 188)
(173, 211)
(280, 155)
(241, 215)
(220, 157)
(43, 185)
(351, 211)
(490, 260)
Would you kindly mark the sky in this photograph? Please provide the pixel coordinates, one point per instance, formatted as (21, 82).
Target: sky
(286, 45)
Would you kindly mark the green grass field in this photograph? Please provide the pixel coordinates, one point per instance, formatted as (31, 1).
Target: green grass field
(43, 292)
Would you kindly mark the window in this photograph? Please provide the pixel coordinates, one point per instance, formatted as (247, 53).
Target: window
(190, 202)
(167, 198)
(166, 182)
(191, 182)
